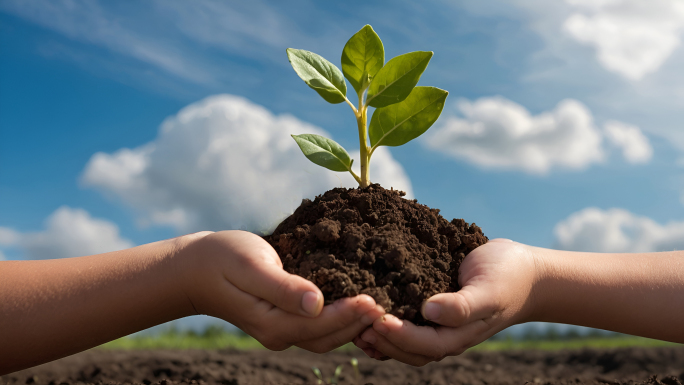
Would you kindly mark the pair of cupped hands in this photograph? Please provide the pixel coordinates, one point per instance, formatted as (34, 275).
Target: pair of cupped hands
(281, 310)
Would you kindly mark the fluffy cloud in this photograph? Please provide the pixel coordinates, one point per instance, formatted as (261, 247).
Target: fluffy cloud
(617, 230)
(631, 37)
(69, 233)
(8, 237)
(636, 147)
(498, 133)
(224, 163)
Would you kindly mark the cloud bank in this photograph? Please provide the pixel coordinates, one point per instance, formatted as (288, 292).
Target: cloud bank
(631, 37)
(498, 133)
(69, 232)
(224, 163)
(617, 230)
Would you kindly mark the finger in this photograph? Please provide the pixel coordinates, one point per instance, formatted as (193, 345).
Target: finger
(333, 318)
(501, 240)
(384, 348)
(341, 337)
(429, 341)
(467, 305)
(277, 329)
(361, 344)
(257, 270)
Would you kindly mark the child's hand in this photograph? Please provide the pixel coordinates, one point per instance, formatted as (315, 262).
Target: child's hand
(496, 279)
(237, 276)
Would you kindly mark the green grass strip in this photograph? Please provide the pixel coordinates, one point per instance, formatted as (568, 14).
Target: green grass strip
(576, 343)
(223, 340)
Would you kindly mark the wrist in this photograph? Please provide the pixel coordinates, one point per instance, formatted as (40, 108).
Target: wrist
(542, 287)
(187, 273)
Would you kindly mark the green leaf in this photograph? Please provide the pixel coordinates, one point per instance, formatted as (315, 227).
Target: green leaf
(402, 122)
(394, 82)
(362, 58)
(324, 152)
(319, 74)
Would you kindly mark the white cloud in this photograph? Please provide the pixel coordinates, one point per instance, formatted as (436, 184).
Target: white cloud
(8, 237)
(224, 163)
(498, 133)
(631, 37)
(69, 233)
(617, 230)
(2, 256)
(636, 147)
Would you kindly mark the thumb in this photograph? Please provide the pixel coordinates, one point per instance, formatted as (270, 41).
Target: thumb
(254, 267)
(289, 292)
(467, 305)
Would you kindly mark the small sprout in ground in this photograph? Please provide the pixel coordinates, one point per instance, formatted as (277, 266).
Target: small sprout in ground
(355, 365)
(318, 375)
(332, 381)
(336, 376)
(402, 113)
(308, 252)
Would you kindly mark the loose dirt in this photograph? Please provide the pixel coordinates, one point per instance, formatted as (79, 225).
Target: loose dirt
(229, 367)
(373, 241)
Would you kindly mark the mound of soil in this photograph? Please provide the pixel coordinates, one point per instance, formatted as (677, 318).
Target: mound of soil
(373, 241)
(633, 366)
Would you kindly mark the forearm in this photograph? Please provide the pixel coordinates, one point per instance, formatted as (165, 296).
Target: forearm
(53, 308)
(639, 294)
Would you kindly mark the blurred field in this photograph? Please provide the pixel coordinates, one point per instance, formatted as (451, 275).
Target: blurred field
(218, 338)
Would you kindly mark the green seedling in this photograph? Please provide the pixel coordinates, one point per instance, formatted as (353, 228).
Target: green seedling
(319, 376)
(331, 381)
(402, 112)
(355, 365)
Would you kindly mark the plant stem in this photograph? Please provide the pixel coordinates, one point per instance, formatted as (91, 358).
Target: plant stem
(361, 120)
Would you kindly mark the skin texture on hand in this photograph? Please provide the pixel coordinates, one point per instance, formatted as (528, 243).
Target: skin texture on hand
(53, 308)
(505, 283)
(243, 282)
(497, 280)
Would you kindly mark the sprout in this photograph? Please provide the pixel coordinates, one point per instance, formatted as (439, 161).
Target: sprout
(355, 365)
(402, 113)
(318, 375)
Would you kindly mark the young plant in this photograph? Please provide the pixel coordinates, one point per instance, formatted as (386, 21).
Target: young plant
(331, 381)
(402, 113)
(355, 365)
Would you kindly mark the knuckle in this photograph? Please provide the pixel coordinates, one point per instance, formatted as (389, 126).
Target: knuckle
(318, 349)
(269, 340)
(283, 290)
(274, 344)
(421, 362)
(333, 343)
(461, 306)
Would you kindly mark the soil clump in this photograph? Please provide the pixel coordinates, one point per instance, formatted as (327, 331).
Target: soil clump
(373, 241)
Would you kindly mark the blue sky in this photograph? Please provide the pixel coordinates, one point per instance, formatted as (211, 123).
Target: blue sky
(563, 127)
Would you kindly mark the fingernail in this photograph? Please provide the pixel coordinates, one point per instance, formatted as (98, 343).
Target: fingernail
(431, 311)
(310, 303)
(367, 320)
(381, 327)
(369, 337)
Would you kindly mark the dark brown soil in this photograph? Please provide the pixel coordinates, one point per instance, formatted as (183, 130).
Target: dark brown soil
(373, 241)
(165, 367)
